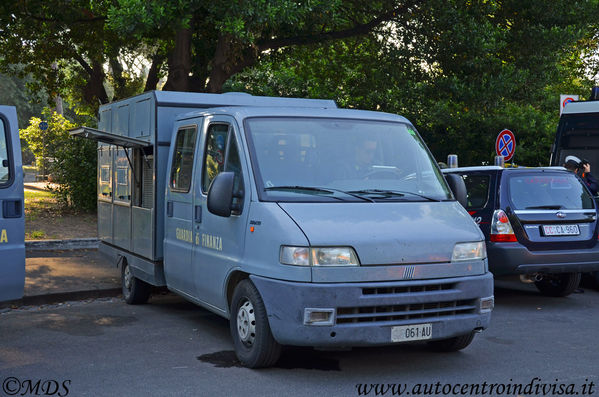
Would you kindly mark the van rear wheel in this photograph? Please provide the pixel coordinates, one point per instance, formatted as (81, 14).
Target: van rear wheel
(254, 344)
(135, 291)
(561, 284)
(452, 344)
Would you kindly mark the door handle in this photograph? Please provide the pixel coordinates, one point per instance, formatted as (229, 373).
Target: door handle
(169, 209)
(197, 214)
(12, 208)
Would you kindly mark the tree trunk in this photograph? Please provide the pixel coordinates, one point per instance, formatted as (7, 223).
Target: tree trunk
(94, 89)
(117, 75)
(227, 63)
(179, 62)
(153, 77)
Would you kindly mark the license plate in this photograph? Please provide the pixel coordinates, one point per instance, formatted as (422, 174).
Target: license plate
(405, 333)
(561, 230)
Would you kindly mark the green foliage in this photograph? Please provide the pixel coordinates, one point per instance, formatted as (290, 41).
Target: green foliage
(461, 71)
(73, 160)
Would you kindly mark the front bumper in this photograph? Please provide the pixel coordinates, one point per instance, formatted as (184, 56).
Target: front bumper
(364, 313)
(514, 258)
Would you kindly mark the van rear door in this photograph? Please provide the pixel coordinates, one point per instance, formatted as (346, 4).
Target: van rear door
(12, 217)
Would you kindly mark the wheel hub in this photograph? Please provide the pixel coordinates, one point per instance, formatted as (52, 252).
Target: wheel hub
(127, 277)
(246, 323)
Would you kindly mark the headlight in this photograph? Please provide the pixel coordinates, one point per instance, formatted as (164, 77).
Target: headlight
(469, 251)
(323, 256)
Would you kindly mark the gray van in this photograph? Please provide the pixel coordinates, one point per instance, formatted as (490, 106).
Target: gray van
(12, 217)
(301, 223)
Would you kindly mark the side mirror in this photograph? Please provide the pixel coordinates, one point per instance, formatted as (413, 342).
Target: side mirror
(5, 163)
(220, 194)
(458, 188)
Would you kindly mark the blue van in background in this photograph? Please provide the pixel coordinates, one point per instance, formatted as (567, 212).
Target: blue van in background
(12, 215)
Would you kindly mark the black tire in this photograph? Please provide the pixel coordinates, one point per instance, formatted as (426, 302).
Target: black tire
(595, 276)
(452, 344)
(254, 344)
(135, 291)
(561, 284)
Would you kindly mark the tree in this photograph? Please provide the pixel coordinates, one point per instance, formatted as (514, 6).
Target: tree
(65, 45)
(461, 71)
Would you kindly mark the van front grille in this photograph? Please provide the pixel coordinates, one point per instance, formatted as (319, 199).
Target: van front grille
(407, 289)
(388, 313)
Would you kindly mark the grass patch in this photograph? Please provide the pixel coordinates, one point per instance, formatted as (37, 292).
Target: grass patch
(40, 202)
(35, 235)
(29, 168)
(47, 218)
(37, 194)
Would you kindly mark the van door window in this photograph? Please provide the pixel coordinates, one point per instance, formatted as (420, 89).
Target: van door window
(222, 154)
(4, 164)
(182, 166)
(214, 160)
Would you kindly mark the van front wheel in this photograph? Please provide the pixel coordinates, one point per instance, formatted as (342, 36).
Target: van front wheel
(452, 344)
(254, 344)
(135, 291)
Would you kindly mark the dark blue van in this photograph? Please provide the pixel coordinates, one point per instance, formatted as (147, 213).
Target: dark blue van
(12, 218)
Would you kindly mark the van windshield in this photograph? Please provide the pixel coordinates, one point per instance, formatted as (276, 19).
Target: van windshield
(321, 159)
(548, 191)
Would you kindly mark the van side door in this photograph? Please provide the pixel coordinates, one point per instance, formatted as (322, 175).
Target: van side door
(220, 240)
(12, 214)
(178, 234)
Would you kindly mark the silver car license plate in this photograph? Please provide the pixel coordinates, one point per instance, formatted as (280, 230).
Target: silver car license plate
(561, 230)
(405, 333)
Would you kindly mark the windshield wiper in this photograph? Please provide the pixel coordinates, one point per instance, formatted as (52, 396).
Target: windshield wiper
(392, 193)
(319, 189)
(545, 207)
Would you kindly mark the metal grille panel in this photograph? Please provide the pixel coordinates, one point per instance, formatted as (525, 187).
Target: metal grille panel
(406, 289)
(390, 313)
(148, 183)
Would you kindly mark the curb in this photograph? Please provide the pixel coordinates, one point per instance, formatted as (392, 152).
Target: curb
(61, 297)
(70, 244)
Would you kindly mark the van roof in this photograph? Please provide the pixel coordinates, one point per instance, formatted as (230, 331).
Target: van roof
(581, 107)
(242, 112)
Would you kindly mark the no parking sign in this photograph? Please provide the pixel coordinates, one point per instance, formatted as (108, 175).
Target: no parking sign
(505, 145)
(564, 100)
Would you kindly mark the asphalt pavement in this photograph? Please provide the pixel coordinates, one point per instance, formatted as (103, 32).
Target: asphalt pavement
(53, 276)
(535, 345)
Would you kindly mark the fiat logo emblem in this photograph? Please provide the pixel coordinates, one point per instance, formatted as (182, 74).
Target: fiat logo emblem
(560, 215)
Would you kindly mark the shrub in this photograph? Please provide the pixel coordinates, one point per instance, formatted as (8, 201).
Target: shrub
(73, 165)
